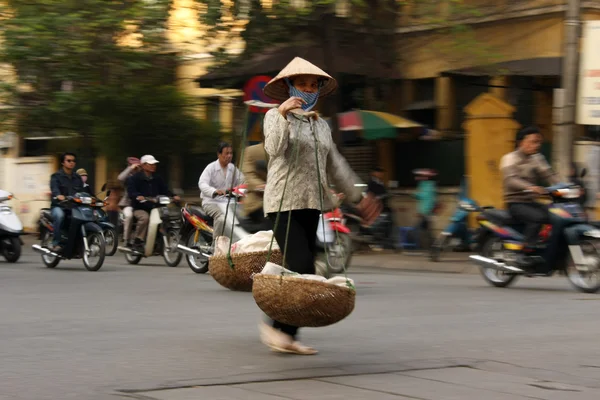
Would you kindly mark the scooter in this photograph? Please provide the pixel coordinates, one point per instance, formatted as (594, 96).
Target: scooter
(162, 236)
(457, 230)
(81, 236)
(197, 237)
(11, 229)
(380, 232)
(569, 245)
(197, 233)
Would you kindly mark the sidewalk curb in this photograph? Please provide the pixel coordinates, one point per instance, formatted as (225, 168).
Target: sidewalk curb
(413, 262)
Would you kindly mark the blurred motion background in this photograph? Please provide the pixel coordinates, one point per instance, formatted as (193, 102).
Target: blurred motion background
(457, 79)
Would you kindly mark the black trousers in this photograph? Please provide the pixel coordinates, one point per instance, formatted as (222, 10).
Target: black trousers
(301, 248)
(534, 215)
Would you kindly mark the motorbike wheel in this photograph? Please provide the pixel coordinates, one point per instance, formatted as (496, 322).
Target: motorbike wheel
(170, 254)
(198, 264)
(11, 249)
(492, 248)
(49, 261)
(97, 245)
(339, 259)
(586, 281)
(112, 241)
(132, 258)
(437, 248)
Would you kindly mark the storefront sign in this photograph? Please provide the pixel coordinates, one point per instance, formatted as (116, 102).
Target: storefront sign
(588, 104)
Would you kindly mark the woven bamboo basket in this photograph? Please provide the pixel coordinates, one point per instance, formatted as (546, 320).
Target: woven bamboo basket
(245, 265)
(302, 302)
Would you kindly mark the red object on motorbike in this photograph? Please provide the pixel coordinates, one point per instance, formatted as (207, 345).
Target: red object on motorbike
(195, 220)
(545, 232)
(336, 221)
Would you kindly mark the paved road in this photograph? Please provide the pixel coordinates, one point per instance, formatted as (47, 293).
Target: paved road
(130, 330)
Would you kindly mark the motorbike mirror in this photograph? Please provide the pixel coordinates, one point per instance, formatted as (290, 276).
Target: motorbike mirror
(108, 193)
(583, 172)
(103, 188)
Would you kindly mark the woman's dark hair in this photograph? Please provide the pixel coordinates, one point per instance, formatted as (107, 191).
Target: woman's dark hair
(223, 146)
(65, 154)
(528, 130)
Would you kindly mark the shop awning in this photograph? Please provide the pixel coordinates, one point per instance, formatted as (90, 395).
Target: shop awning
(534, 67)
(374, 124)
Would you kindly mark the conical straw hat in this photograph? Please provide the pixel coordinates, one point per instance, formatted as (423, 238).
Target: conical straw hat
(277, 88)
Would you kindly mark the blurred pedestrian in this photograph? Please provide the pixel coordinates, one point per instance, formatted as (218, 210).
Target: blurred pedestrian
(133, 166)
(426, 196)
(84, 177)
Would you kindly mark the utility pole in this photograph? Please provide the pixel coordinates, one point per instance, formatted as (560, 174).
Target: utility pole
(564, 132)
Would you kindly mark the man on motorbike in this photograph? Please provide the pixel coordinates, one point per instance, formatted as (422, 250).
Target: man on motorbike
(65, 182)
(218, 177)
(145, 184)
(521, 169)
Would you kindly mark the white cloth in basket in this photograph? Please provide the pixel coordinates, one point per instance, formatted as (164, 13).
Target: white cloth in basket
(274, 269)
(260, 241)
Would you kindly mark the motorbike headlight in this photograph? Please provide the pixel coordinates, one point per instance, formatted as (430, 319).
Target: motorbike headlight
(164, 200)
(86, 200)
(100, 204)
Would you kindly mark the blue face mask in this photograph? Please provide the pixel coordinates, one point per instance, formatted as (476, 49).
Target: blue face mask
(309, 98)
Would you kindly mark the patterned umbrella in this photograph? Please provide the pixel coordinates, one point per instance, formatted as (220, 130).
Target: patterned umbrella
(374, 124)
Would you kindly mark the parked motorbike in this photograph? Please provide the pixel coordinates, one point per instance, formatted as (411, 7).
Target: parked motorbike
(11, 229)
(162, 236)
(569, 245)
(81, 236)
(457, 230)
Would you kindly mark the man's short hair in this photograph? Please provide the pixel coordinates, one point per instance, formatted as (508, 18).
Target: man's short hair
(65, 154)
(378, 169)
(528, 130)
(223, 146)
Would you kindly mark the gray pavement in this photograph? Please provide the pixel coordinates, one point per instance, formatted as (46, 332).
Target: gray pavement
(154, 332)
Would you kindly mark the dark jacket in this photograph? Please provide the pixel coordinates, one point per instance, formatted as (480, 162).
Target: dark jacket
(63, 184)
(142, 185)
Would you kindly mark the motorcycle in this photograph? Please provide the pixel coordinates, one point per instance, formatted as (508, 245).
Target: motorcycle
(568, 245)
(81, 236)
(456, 230)
(380, 232)
(197, 233)
(11, 229)
(162, 236)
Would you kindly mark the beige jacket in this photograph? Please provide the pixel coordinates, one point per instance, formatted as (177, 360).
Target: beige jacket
(303, 187)
(254, 199)
(520, 172)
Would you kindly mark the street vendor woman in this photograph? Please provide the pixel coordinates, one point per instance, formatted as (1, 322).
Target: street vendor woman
(299, 85)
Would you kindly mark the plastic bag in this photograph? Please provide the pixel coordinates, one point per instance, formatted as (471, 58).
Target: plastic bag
(274, 269)
(260, 241)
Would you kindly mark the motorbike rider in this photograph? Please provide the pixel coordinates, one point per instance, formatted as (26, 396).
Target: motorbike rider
(218, 177)
(133, 167)
(65, 182)
(520, 170)
(254, 169)
(145, 184)
(84, 177)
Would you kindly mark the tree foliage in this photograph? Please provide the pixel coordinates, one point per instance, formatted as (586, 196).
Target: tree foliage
(98, 69)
